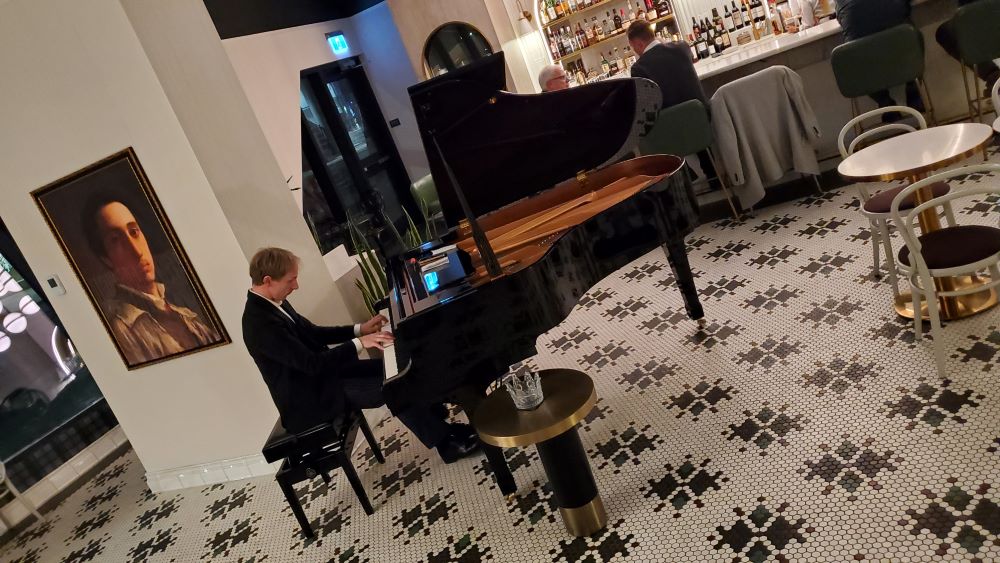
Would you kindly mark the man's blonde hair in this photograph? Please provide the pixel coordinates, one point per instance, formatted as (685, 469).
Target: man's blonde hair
(274, 262)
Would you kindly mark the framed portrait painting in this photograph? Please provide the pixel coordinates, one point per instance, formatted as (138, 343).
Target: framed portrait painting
(119, 241)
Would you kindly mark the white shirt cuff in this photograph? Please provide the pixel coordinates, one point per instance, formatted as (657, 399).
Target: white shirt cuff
(357, 330)
(357, 345)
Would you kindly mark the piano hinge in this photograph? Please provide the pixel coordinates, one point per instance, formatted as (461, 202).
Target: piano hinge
(581, 176)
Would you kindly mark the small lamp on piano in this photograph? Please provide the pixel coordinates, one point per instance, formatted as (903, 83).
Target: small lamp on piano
(525, 388)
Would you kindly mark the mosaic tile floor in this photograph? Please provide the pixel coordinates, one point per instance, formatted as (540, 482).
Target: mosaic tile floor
(803, 424)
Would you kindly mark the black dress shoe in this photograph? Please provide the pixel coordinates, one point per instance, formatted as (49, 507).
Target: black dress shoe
(454, 449)
(463, 430)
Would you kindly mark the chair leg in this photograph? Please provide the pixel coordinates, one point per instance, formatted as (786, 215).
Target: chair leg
(24, 501)
(975, 92)
(359, 489)
(949, 214)
(293, 501)
(854, 113)
(372, 442)
(819, 187)
(890, 259)
(935, 315)
(965, 83)
(724, 183)
(876, 243)
(918, 320)
(925, 95)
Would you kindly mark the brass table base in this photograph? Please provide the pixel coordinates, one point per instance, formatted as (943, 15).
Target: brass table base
(585, 520)
(952, 308)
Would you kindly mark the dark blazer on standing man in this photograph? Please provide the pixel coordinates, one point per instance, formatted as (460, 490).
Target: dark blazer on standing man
(300, 370)
(671, 67)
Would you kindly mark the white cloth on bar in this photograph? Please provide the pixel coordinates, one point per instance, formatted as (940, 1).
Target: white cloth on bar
(764, 127)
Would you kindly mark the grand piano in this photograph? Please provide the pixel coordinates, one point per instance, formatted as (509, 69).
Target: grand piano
(551, 184)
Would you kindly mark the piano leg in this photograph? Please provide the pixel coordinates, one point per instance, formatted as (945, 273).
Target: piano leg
(678, 259)
(468, 400)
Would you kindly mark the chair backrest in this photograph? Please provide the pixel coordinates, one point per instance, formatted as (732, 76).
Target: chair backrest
(977, 28)
(425, 192)
(905, 222)
(876, 132)
(679, 130)
(880, 61)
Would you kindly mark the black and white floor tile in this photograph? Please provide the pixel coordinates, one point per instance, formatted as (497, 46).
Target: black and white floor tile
(803, 423)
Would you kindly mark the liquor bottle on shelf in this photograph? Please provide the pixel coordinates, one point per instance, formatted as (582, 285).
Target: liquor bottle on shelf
(617, 20)
(663, 8)
(694, 49)
(553, 46)
(605, 66)
(571, 6)
(607, 26)
(701, 45)
(745, 13)
(717, 40)
(640, 12)
(727, 41)
(727, 20)
(631, 56)
(581, 36)
(758, 11)
(589, 34)
(560, 12)
(715, 18)
(598, 30)
(619, 61)
(631, 12)
(650, 10)
(737, 17)
(695, 28)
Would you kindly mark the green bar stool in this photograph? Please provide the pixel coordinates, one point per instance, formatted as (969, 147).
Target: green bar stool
(977, 28)
(684, 130)
(880, 61)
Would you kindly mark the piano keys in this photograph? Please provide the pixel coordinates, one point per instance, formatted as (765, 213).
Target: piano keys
(549, 178)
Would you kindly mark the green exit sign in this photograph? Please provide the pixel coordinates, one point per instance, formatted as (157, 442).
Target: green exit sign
(338, 43)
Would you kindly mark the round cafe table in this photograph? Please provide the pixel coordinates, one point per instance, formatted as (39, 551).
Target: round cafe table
(996, 125)
(551, 428)
(915, 156)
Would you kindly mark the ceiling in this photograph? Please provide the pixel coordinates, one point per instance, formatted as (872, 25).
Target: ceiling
(235, 18)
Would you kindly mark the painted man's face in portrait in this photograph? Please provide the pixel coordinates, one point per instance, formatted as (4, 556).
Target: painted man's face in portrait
(126, 251)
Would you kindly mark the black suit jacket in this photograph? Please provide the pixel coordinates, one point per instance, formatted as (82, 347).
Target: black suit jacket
(861, 18)
(671, 67)
(300, 370)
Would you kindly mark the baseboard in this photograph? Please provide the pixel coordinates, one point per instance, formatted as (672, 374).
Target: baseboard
(210, 473)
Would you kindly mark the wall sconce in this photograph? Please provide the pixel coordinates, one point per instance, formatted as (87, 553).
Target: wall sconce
(525, 14)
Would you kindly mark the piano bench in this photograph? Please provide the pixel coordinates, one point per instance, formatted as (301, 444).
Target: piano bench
(318, 451)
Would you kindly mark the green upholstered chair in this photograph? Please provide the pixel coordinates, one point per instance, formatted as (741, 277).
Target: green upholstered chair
(684, 130)
(426, 195)
(880, 61)
(977, 28)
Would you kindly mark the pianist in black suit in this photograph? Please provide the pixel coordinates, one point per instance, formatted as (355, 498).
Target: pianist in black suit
(314, 372)
(669, 65)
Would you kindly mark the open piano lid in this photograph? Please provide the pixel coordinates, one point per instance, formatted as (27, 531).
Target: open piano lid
(503, 147)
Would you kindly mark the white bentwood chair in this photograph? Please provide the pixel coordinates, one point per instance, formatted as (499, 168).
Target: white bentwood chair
(8, 489)
(956, 250)
(876, 207)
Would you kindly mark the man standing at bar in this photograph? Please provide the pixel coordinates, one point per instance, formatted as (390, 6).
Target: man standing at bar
(946, 37)
(314, 373)
(671, 67)
(861, 18)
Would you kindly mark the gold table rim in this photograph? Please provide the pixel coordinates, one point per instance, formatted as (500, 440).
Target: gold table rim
(923, 169)
(548, 432)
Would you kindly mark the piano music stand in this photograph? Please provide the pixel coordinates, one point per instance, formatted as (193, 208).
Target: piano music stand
(569, 397)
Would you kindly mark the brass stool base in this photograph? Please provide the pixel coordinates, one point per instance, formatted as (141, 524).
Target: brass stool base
(957, 307)
(585, 520)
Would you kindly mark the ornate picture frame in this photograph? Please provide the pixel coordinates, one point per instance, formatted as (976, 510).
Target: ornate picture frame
(123, 249)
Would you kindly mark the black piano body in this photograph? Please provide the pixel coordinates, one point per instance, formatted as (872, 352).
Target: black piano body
(452, 344)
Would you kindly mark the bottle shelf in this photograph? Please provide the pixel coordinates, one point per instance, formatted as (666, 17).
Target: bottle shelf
(618, 34)
(565, 18)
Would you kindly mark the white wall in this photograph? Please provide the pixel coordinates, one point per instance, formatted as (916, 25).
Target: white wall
(268, 66)
(390, 73)
(77, 86)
